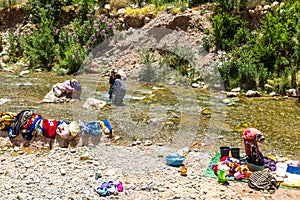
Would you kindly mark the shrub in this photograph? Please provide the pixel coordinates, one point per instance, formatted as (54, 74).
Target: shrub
(229, 30)
(40, 47)
(207, 43)
(8, 3)
(14, 48)
(52, 9)
(77, 40)
(148, 72)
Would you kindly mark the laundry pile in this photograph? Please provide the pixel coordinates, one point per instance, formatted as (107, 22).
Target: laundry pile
(108, 188)
(30, 124)
(261, 172)
(6, 120)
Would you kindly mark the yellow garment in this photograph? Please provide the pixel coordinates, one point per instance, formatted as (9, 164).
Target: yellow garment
(7, 119)
(104, 128)
(74, 128)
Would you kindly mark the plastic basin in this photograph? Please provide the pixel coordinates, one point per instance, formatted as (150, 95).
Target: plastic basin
(174, 161)
(254, 168)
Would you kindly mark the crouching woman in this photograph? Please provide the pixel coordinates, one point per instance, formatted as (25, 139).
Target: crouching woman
(70, 89)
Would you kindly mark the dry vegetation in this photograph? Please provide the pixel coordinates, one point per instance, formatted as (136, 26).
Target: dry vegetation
(9, 3)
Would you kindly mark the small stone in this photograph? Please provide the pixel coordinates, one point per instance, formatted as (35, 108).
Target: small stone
(196, 85)
(3, 101)
(5, 59)
(63, 171)
(138, 142)
(85, 156)
(107, 6)
(23, 73)
(161, 189)
(121, 11)
(226, 101)
(148, 143)
(236, 89)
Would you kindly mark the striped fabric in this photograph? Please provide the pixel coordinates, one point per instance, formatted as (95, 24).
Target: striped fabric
(262, 180)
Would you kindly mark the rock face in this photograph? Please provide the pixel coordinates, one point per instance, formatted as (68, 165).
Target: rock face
(167, 33)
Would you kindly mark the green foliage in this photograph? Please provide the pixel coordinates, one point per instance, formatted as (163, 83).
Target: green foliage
(14, 48)
(40, 47)
(8, 3)
(148, 73)
(276, 45)
(147, 56)
(207, 43)
(270, 52)
(63, 46)
(76, 41)
(52, 9)
(183, 60)
(229, 31)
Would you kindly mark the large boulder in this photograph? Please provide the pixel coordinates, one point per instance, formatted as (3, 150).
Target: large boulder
(293, 92)
(92, 103)
(252, 93)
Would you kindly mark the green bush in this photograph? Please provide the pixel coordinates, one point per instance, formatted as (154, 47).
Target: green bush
(52, 9)
(229, 30)
(8, 3)
(40, 47)
(207, 43)
(14, 49)
(148, 72)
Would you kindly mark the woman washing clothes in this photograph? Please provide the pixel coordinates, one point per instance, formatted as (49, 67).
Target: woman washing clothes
(70, 89)
(119, 91)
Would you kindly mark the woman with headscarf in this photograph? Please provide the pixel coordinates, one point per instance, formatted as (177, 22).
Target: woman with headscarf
(251, 138)
(68, 88)
(119, 91)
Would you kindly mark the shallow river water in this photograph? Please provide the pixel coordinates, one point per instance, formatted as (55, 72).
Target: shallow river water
(173, 115)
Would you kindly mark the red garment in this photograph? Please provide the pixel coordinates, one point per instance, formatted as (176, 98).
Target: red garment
(249, 136)
(49, 126)
(29, 122)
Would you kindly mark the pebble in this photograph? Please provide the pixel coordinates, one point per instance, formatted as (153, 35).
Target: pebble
(60, 174)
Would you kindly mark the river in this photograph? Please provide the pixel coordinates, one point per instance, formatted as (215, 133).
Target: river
(172, 115)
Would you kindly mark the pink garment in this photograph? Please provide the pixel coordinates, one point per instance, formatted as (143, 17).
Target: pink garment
(250, 135)
(69, 86)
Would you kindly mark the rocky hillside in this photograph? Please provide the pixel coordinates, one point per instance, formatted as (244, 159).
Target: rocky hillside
(176, 34)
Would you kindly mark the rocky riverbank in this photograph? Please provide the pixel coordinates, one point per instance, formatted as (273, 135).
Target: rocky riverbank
(63, 173)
